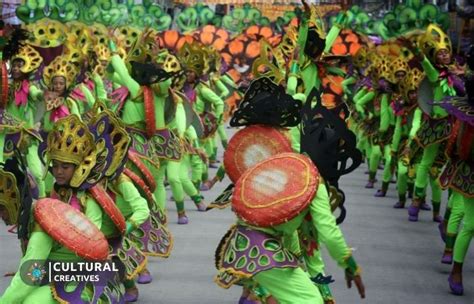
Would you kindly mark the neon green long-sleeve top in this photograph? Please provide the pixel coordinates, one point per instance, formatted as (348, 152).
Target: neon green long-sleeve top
(26, 112)
(208, 100)
(134, 111)
(323, 221)
(131, 204)
(441, 88)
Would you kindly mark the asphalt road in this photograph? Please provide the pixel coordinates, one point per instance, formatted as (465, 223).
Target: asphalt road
(400, 260)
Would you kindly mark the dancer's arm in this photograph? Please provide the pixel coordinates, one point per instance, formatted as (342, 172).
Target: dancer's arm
(138, 204)
(39, 248)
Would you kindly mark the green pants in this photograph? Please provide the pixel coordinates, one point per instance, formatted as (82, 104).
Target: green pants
(289, 286)
(427, 160)
(402, 178)
(188, 186)
(467, 232)
(387, 170)
(172, 170)
(375, 155)
(456, 203)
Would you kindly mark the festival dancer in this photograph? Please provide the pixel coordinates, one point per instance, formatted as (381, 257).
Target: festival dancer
(458, 169)
(399, 68)
(281, 277)
(434, 54)
(405, 109)
(24, 94)
(71, 151)
(150, 85)
(205, 101)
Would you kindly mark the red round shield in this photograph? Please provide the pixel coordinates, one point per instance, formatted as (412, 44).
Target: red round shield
(275, 190)
(250, 146)
(109, 207)
(71, 229)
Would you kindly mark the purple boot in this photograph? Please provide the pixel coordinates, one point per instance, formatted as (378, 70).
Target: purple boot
(456, 288)
(399, 205)
(424, 206)
(145, 277)
(437, 219)
(447, 258)
(413, 213)
(131, 295)
(380, 193)
(182, 219)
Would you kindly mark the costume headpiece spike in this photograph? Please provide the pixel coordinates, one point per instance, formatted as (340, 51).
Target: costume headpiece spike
(433, 41)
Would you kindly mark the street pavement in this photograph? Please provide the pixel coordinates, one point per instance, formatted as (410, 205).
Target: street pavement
(400, 260)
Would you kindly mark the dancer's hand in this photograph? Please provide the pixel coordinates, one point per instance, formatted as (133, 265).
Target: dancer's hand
(357, 281)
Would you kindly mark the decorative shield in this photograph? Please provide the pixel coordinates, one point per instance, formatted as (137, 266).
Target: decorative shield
(275, 190)
(71, 229)
(250, 146)
(108, 205)
(425, 96)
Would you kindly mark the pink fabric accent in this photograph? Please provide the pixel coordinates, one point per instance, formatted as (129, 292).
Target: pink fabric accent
(77, 94)
(74, 203)
(21, 96)
(58, 113)
(119, 96)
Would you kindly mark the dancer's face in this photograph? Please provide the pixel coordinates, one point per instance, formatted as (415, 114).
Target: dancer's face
(399, 75)
(443, 57)
(413, 97)
(191, 76)
(17, 74)
(63, 172)
(59, 85)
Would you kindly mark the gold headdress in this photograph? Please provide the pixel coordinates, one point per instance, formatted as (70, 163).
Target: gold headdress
(433, 41)
(170, 63)
(270, 69)
(399, 64)
(31, 57)
(360, 58)
(129, 36)
(411, 82)
(192, 56)
(71, 141)
(316, 21)
(9, 195)
(64, 66)
(47, 33)
(289, 41)
(213, 59)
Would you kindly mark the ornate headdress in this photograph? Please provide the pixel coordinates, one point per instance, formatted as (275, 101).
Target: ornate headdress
(433, 41)
(192, 56)
(411, 82)
(399, 64)
(271, 71)
(71, 141)
(316, 22)
(30, 57)
(47, 33)
(65, 66)
(289, 41)
(267, 103)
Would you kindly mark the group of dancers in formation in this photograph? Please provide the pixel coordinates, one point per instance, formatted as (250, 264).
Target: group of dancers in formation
(91, 135)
